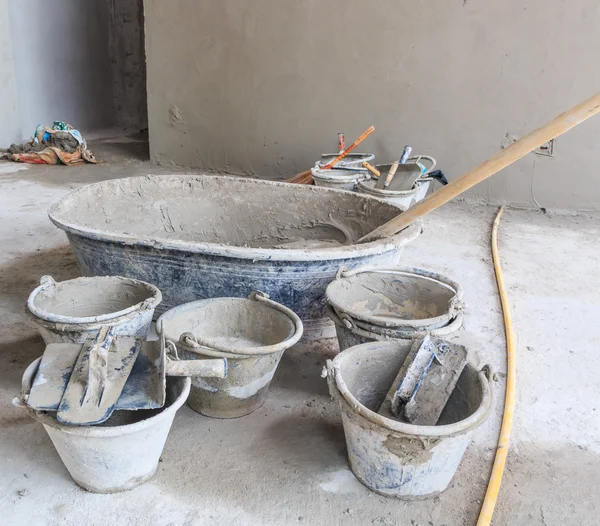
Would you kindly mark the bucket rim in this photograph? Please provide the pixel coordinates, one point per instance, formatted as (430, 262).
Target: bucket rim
(199, 345)
(75, 322)
(334, 176)
(455, 304)
(386, 194)
(99, 431)
(58, 216)
(357, 157)
(338, 388)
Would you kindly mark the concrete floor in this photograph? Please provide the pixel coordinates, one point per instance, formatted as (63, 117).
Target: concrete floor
(286, 463)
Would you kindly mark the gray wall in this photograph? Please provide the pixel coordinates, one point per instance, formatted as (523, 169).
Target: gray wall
(9, 108)
(128, 63)
(62, 62)
(263, 87)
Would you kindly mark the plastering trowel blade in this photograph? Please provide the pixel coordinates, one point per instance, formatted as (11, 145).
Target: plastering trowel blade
(53, 374)
(99, 375)
(425, 381)
(144, 388)
(406, 177)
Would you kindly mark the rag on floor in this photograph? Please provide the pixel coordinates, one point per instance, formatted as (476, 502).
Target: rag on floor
(61, 144)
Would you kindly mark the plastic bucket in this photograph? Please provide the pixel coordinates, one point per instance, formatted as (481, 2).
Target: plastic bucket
(251, 333)
(405, 198)
(350, 334)
(394, 458)
(119, 454)
(402, 299)
(72, 310)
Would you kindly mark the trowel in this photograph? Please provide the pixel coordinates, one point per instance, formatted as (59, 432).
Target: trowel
(425, 381)
(64, 383)
(384, 182)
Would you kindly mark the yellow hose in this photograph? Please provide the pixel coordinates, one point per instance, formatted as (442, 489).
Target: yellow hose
(491, 495)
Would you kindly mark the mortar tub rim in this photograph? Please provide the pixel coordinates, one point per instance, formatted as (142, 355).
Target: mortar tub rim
(377, 247)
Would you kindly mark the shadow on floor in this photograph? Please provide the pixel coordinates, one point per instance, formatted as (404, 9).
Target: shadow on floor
(21, 275)
(300, 369)
(120, 149)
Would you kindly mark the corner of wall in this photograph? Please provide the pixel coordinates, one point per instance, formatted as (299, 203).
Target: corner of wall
(9, 108)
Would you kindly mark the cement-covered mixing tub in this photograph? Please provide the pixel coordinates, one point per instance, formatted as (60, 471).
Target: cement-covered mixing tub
(203, 236)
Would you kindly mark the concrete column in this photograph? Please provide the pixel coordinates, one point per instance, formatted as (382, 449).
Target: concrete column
(9, 107)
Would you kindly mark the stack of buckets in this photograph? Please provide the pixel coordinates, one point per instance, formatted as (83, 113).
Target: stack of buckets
(347, 175)
(378, 314)
(429, 303)
(350, 174)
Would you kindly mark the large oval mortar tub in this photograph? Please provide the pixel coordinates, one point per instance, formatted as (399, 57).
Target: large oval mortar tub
(208, 236)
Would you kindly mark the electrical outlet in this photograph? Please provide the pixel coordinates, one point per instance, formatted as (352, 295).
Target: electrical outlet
(546, 149)
(507, 140)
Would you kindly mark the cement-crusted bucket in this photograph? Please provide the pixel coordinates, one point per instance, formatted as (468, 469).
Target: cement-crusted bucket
(252, 333)
(70, 311)
(401, 299)
(340, 179)
(349, 333)
(394, 458)
(405, 198)
(119, 454)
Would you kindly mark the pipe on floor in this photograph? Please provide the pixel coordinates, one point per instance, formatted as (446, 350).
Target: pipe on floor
(491, 495)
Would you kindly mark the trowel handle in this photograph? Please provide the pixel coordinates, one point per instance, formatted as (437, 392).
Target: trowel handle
(213, 368)
(390, 174)
(371, 169)
(405, 154)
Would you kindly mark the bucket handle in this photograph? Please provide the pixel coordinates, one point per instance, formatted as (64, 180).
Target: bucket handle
(47, 281)
(348, 322)
(26, 381)
(427, 158)
(456, 306)
(209, 348)
(258, 295)
(190, 340)
(343, 320)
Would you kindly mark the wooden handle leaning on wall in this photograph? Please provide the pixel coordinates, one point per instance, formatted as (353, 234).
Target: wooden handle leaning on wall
(561, 124)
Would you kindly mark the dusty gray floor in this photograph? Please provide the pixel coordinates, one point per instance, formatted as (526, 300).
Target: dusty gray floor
(286, 463)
